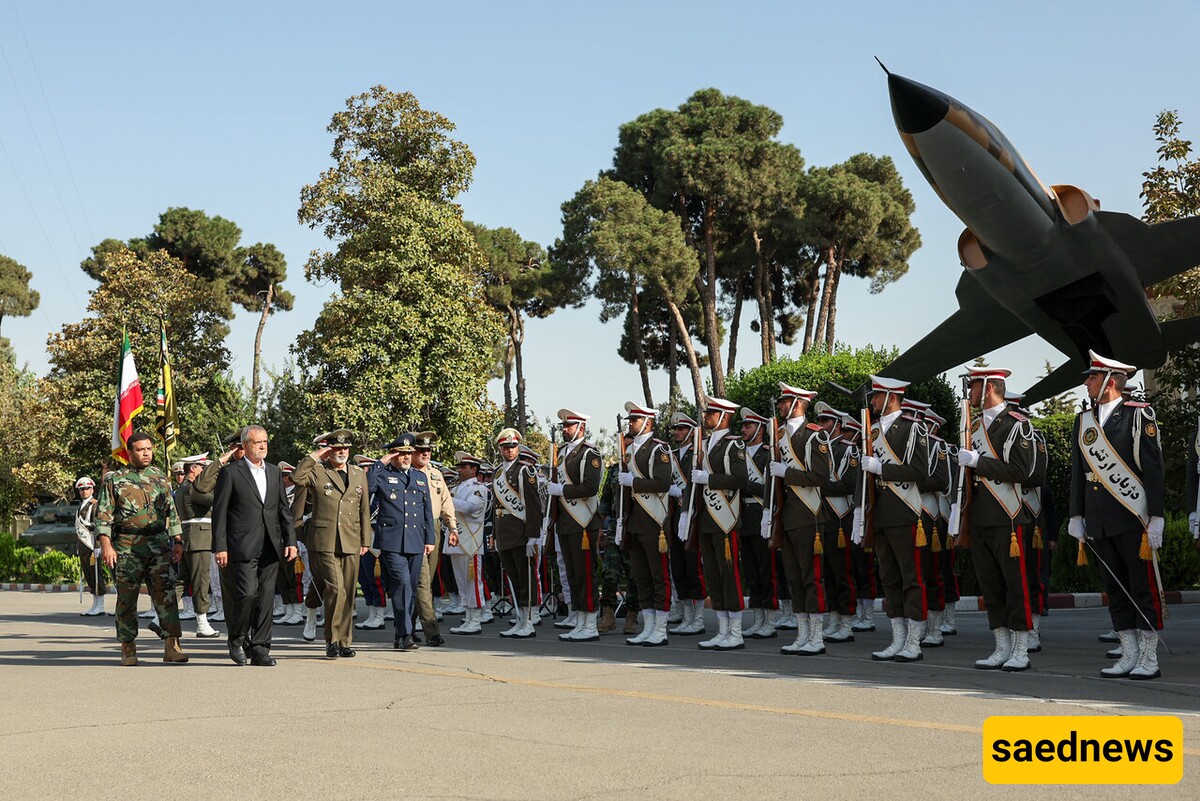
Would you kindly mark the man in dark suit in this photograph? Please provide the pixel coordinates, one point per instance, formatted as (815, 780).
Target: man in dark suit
(252, 534)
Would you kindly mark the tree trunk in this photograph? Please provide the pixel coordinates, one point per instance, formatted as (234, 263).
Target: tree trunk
(832, 311)
(518, 338)
(736, 324)
(672, 363)
(810, 323)
(707, 287)
(831, 270)
(766, 326)
(635, 319)
(508, 398)
(685, 338)
(262, 323)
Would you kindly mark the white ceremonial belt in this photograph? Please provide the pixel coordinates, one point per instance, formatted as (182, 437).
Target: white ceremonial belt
(196, 520)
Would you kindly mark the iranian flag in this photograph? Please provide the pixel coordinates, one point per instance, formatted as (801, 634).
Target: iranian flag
(128, 403)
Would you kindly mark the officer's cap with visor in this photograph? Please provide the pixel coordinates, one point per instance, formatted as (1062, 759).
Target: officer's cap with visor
(405, 443)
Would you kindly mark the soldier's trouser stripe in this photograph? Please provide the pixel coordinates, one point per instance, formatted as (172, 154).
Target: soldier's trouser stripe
(736, 567)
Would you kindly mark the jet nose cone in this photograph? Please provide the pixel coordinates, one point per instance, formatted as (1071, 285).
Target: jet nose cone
(915, 106)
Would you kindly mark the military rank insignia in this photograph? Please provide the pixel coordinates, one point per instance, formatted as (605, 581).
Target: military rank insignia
(1151, 429)
(664, 458)
(595, 461)
(854, 462)
(823, 448)
(1089, 436)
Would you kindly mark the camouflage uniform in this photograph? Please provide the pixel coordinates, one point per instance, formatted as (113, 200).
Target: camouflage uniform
(614, 561)
(136, 513)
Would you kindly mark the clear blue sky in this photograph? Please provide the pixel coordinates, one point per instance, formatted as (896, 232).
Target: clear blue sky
(223, 107)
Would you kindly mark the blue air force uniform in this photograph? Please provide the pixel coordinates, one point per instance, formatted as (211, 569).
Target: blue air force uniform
(403, 527)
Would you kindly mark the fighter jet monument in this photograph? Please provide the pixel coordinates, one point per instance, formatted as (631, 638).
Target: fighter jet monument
(1036, 259)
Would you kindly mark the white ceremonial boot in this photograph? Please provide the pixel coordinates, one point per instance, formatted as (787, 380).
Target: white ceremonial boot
(697, 626)
(149, 613)
(1147, 665)
(949, 626)
(658, 635)
(387, 613)
(829, 623)
(571, 621)
(933, 630)
(97, 607)
(186, 610)
(203, 629)
(843, 632)
(456, 606)
(217, 613)
(756, 621)
(485, 614)
(518, 620)
(648, 618)
(899, 635)
(279, 608)
(722, 633)
(802, 632)
(911, 652)
(1018, 660)
(526, 629)
(867, 621)
(580, 619)
(1035, 635)
(767, 630)
(1110, 636)
(381, 614)
(678, 610)
(816, 637)
(787, 618)
(1130, 655)
(733, 641)
(688, 610)
(1001, 653)
(294, 617)
(310, 625)
(470, 624)
(587, 630)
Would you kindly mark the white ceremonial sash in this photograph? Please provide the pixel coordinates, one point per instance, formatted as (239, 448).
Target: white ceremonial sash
(809, 496)
(470, 527)
(582, 510)
(1111, 471)
(652, 503)
(720, 505)
(507, 496)
(1005, 492)
(841, 503)
(85, 532)
(905, 491)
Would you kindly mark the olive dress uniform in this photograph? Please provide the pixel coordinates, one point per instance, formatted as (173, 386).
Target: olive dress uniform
(645, 533)
(517, 522)
(578, 524)
(725, 462)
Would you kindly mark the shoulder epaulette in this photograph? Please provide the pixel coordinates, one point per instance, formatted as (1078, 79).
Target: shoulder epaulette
(1017, 415)
(909, 417)
(1136, 404)
(936, 438)
(814, 427)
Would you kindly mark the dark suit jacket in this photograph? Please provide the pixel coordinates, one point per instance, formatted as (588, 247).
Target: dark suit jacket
(243, 524)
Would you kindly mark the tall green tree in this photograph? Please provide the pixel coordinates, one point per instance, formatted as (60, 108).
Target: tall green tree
(631, 245)
(409, 340)
(1171, 191)
(255, 286)
(17, 298)
(857, 221)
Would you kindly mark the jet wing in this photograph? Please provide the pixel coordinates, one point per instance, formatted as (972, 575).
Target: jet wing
(1158, 251)
(980, 325)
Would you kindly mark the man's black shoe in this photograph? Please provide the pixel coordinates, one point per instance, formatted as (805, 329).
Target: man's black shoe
(416, 637)
(237, 653)
(436, 640)
(345, 652)
(331, 650)
(263, 660)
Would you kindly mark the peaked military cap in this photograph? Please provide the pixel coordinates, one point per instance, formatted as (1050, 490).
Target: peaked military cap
(423, 440)
(403, 443)
(1103, 364)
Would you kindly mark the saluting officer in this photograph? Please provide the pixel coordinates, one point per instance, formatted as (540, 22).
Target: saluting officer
(517, 528)
(578, 526)
(404, 529)
(805, 468)
(896, 452)
(335, 496)
(1117, 506)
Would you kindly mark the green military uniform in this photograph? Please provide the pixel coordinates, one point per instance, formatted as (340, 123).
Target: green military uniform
(136, 513)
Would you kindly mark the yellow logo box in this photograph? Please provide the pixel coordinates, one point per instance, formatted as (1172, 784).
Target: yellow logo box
(1082, 750)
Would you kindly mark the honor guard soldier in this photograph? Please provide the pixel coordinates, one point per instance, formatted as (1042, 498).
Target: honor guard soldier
(336, 532)
(757, 569)
(645, 479)
(1117, 507)
(465, 546)
(574, 496)
(862, 561)
(687, 578)
(804, 467)
(404, 529)
(1035, 530)
(942, 456)
(614, 563)
(1191, 499)
(139, 535)
(896, 459)
(1002, 458)
(517, 528)
(194, 510)
(718, 479)
(443, 516)
(932, 488)
(89, 552)
(371, 578)
(837, 565)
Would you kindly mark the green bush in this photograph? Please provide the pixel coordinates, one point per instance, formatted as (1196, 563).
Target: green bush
(8, 561)
(1178, 560)
(53, 567)
(22, 562)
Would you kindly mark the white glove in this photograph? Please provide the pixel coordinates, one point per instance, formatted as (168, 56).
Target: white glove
(620, 532)
(765, 529)
(1194, 524)
(1076, 528)
(955, 521)
(699, 476)
(778, 469)
(856, 527)
(375, 552)
(625, 478)
(530, 547)
(685, 523)
(555, 490)
(674, 491)
(1154, 532)
(872, 464)
(967, 458)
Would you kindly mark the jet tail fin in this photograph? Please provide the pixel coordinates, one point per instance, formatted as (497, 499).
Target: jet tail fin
(1159, 251)
(1066, 377)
